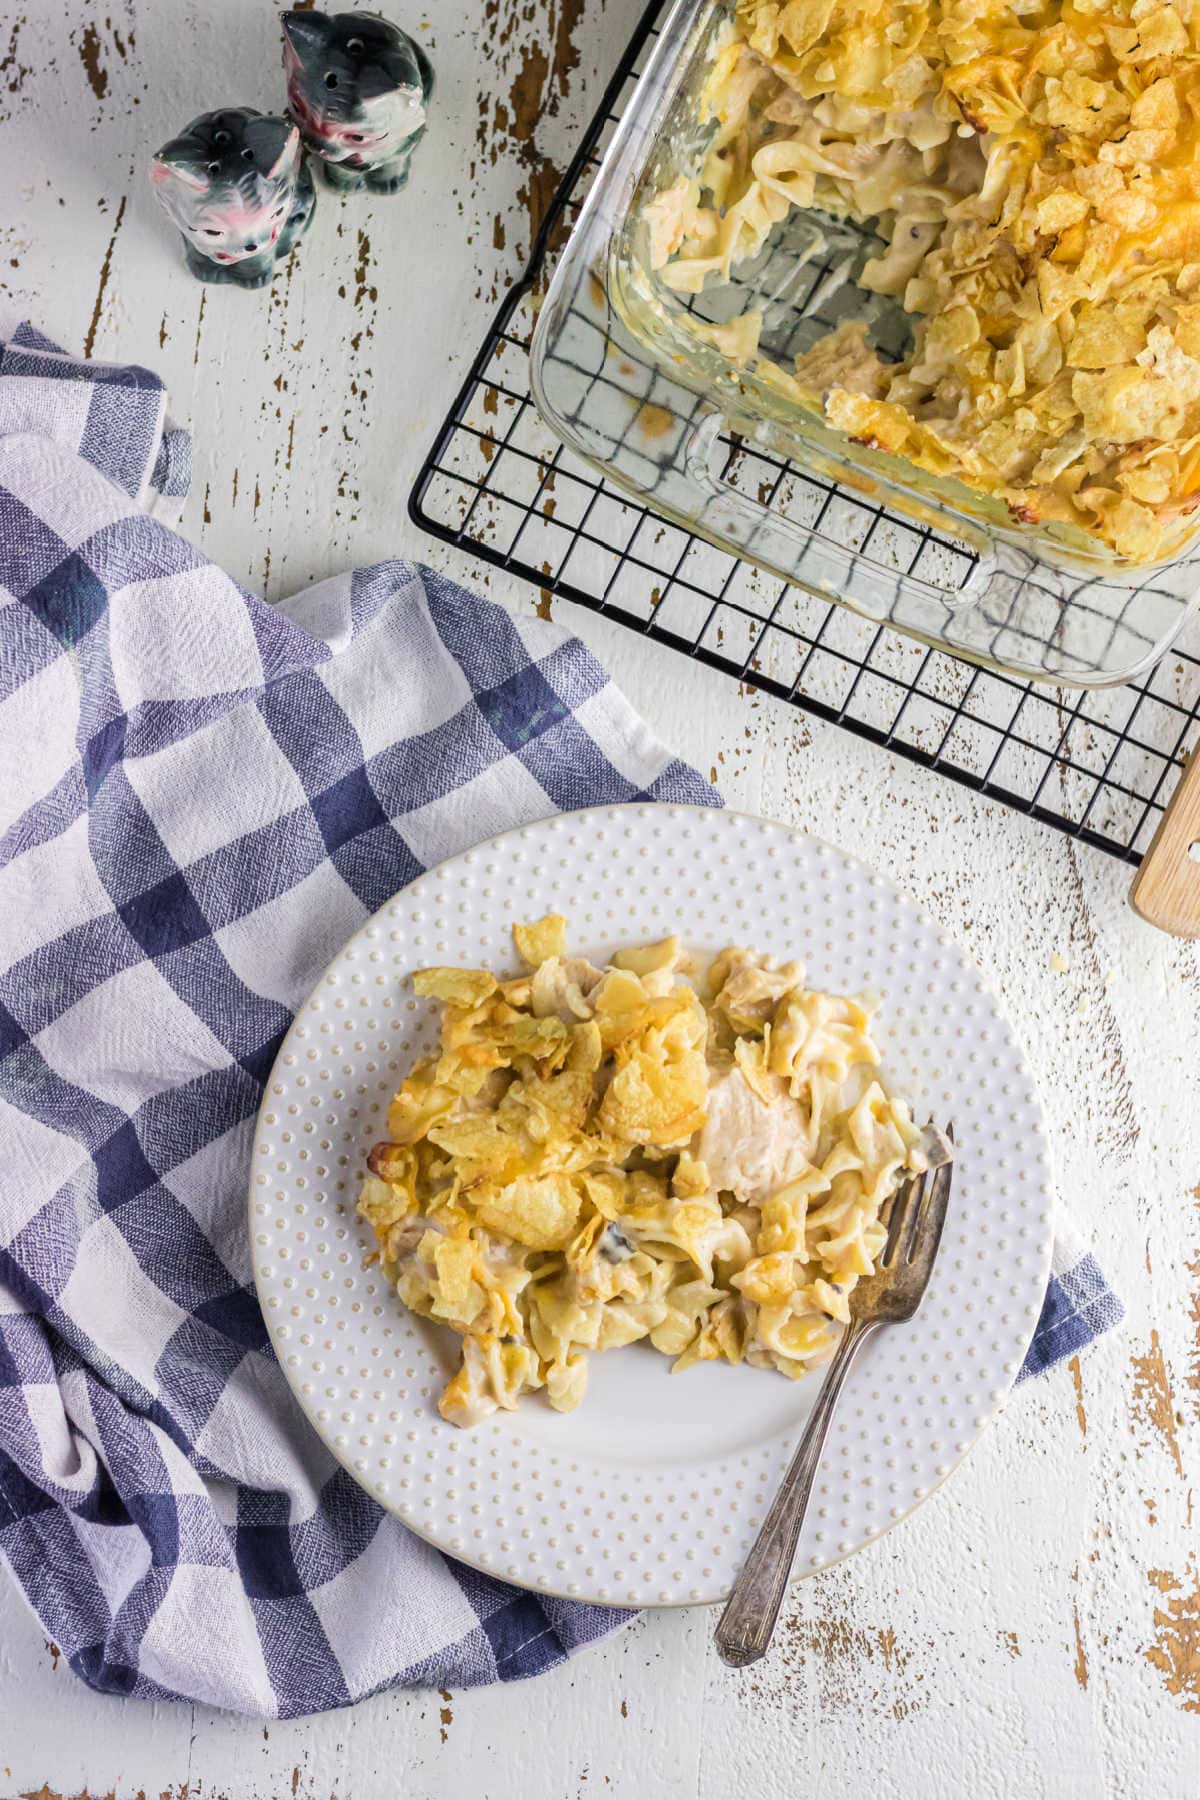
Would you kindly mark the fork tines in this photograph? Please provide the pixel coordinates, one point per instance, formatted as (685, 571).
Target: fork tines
(918, 1212)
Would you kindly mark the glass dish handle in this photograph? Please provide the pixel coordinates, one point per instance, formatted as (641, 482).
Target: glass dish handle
(811, 557)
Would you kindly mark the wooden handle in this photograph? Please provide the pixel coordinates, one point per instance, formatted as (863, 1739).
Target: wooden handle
(1166, 890)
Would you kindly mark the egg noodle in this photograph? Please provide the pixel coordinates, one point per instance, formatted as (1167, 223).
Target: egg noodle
(600, 1155)
(1033, 169)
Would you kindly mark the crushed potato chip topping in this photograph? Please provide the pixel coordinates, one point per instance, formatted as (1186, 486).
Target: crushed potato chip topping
(1033, 168)
(595, 1156)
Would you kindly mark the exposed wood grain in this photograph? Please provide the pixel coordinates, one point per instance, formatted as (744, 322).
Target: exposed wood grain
(1154, 1402)
(1077, 1378)
(1175, 1652)
(1081, 1667)
(89, 55)
(105, 271)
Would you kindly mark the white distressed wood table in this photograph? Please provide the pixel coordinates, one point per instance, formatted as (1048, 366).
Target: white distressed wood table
(1035, 1628)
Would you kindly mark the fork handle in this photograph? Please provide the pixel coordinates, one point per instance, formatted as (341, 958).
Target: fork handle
(750, 1613)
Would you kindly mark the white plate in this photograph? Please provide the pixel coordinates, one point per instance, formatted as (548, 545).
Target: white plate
(651, 1492)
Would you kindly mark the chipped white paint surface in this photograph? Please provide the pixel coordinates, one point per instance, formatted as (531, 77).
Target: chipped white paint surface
(1035, 1628)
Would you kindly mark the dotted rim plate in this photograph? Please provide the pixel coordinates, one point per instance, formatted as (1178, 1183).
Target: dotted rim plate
(651, 1492)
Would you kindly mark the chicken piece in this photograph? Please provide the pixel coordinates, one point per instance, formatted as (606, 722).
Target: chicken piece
(751, 1147)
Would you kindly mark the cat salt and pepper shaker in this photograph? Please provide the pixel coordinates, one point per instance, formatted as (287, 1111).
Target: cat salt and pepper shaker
(358, 88)
(237, 185)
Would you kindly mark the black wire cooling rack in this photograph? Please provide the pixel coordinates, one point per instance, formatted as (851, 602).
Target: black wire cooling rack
(1099, 764)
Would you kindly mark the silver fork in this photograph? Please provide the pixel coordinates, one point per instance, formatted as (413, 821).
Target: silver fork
(889, 1297)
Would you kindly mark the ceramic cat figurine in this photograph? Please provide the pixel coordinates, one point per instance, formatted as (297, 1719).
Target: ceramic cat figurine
(237, 185)
(358, 88)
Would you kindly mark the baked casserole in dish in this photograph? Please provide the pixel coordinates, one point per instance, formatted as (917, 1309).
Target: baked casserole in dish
(944, 254)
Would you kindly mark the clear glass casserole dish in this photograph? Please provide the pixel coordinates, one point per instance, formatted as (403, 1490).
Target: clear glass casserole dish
(623, 375)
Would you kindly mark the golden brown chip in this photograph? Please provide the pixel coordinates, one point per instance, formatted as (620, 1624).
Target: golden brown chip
(480, 1147)
(648, 958)
(690, 1179)
(544, 938)
(395, 1164)
(587, 1048)
(650, 1102)
(539, 1038)
(383, 1205)
(619, 1003)
(419, 1102)
(582, 1246)
(458, 987)
(454, 1259)
(539, 1212)
(1102, 339)
(566, 1095)
(605, 1188)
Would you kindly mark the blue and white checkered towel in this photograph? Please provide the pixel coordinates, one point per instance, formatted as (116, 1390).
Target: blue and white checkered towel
(203, 797)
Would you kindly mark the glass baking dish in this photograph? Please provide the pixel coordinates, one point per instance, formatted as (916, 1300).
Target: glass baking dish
(620, 374)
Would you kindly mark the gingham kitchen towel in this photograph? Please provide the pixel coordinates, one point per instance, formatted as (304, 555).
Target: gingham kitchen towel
(113, 415)
(203, 797)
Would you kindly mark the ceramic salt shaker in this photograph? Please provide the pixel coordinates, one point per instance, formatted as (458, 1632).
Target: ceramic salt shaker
(237, 185)
(358, 88)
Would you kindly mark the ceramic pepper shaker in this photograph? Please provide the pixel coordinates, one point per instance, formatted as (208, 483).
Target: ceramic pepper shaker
(237, 185)
(358, 88)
